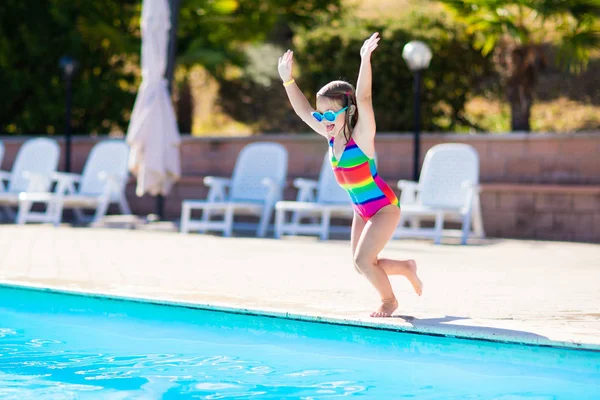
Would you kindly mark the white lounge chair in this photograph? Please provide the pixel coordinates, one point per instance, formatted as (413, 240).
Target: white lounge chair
(101, 183)
(448, 190)
(318, 200)
(32, 171)
(255, 186)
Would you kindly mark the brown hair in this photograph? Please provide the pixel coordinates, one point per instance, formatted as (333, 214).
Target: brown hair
(343, 93)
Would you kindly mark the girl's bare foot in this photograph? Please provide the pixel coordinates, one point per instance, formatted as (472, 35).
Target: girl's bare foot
(407, 268)
(388, 306)
(414, 278)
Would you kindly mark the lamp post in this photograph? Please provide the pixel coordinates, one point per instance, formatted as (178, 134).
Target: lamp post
(418, 56)
(68, 66)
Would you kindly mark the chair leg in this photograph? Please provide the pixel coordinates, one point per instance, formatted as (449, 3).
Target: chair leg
(54, 210)
(185, 218)
(264, 220)
(23, 212)
(466, 228)
(296, 216)
(279, 221)
(228, 221)
(477, 219)
(101, 210)
(439, 226)
(414, 222)
(123, 205)
(325, 224)
(205, 218)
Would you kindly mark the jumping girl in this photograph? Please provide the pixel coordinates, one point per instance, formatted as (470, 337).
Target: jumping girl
(345, 117)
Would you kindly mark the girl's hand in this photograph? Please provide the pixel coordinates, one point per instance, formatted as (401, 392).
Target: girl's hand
(285, 65)
(369, 45)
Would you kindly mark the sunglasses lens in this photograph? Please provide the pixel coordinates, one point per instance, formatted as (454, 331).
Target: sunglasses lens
(329, 116)
(317, 116)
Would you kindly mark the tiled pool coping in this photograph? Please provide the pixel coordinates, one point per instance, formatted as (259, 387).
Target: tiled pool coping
(464, 332)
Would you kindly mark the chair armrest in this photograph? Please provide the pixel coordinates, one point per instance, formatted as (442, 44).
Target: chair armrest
(216, 181)
(408, 185)
(306, 189)
(270, 183)
(409, 189)
(65, 182)
(302, 183)
(37, 182)
(66, 176)
(217, 186)
(113, 180)
(274, 189)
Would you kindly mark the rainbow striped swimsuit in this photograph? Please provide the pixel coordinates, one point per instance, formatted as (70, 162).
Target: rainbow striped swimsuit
(357, 174)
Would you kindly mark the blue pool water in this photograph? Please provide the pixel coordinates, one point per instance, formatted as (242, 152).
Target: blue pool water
(59, 346)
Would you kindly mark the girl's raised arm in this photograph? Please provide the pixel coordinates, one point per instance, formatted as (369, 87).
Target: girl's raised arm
(299, 102)
(366, 120)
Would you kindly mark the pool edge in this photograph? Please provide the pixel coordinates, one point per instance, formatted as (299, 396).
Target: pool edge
(450, 331)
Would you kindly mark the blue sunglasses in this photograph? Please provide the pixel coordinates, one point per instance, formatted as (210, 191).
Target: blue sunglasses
(327, 115)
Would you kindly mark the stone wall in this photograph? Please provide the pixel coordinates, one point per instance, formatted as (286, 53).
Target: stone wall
(544, 186)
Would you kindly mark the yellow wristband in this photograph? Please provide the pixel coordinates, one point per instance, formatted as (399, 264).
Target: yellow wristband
(288, 83)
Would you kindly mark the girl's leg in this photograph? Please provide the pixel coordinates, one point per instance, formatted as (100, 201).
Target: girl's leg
(407, 268)
(375, 235)
(358, 225)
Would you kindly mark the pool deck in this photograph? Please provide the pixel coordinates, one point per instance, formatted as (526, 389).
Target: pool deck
(532, 292)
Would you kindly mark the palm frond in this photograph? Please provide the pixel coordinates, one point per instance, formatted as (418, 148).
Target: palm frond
(575, 50)
(575, 8)
(582, 9)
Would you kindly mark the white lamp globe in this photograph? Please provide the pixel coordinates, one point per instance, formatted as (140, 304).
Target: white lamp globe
(417, 55)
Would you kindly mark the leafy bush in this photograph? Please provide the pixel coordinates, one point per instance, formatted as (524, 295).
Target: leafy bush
(332, 52)
(34, 36)
(257, 97)
(455, 70)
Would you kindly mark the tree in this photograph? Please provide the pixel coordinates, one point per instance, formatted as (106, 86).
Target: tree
(518, 32)
(215, 33)
(243, 34)
(332, 51)
(102, 35)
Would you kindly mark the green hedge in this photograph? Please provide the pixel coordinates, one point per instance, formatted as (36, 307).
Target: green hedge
(333, 52)
(455, 70)
(34, 36)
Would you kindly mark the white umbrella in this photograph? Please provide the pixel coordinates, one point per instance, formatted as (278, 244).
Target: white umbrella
(153, 134)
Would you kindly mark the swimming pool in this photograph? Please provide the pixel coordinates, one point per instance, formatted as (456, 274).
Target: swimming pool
(64, 346)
